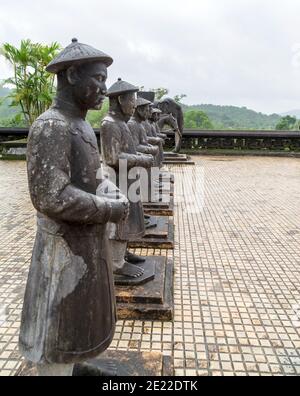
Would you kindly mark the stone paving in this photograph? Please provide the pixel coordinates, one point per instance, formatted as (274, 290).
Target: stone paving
(237, 269)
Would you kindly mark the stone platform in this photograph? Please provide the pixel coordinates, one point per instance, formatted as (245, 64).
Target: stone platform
(129, 364)
(161, 208)
(171, 158)
(160, 237)
(152, 300)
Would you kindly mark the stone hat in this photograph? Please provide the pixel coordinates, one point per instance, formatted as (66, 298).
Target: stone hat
(147, 95)
(120, 88)
(142, 102)
(155, 110)
(77, 53)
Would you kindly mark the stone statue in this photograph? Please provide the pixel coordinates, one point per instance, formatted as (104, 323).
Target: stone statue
(69, 311)
(119, 153)
(156, 133)
(169, 107)
(137, 127)
(152, 137)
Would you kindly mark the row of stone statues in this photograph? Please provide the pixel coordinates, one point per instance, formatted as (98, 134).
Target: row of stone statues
(84, 218)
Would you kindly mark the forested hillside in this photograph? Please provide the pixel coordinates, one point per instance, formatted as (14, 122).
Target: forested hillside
(232, 117)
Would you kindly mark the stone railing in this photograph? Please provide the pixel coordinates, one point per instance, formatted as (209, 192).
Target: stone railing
(203, 140)
(198, 140)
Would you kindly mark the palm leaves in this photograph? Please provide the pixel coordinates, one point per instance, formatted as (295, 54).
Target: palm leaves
(33, 86)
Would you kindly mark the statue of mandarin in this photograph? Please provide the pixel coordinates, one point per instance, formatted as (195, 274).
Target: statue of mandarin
(69, 309)
(117, 146)
(155, 131)
(153, 139)
(139, 134)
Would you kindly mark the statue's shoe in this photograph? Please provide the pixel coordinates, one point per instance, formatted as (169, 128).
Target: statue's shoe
(103, 369)
(130, 271)
(133, 258)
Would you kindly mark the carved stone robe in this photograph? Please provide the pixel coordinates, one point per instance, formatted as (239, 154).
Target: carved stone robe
(69, 309)
(117, 144)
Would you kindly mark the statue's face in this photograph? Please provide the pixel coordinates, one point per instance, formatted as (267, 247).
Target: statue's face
(149, 112)
(155, 117)
(89, 86)
(128, 103)
(143, 112)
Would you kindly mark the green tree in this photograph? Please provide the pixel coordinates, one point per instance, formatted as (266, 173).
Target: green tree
(196, 119)
(178, 98)
(33, 86)
(160, 92)
(286, 123)
(12, 122)
(95, 116)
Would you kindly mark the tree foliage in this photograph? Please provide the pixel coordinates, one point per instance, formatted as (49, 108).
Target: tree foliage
(178, 98)
(160, 92)
(95, 116)
(233, 117)
(196, 119)
(286, 123)
(33, 87)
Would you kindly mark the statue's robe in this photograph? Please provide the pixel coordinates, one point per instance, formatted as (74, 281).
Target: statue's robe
(69, 311)
(117, 144)
(139, 134)
(155, 132)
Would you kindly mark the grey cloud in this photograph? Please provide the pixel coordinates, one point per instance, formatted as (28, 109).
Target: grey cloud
(215, 51)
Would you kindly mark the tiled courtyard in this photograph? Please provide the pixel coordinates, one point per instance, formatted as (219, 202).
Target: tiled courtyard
(237, 269)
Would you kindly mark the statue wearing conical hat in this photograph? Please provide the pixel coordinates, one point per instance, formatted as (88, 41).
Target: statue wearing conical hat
(152, 137)
(69, 311)
(156, 133)
(119, 154)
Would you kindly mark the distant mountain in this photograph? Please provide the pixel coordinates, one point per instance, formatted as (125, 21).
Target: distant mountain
(294, 113)
(222, 117)
(232, 117)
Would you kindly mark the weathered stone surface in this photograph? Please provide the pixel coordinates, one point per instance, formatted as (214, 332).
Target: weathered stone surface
(152, 301)
(134, 364)
(177, 159)
(69, 305)
(148, 275)
(161, 237)
(161, 208)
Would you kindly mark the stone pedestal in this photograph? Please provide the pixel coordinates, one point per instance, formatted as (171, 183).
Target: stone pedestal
(160, 237)
(177, 159)
(148, 275)
(151, 301)
(128, 364)
(161, 208)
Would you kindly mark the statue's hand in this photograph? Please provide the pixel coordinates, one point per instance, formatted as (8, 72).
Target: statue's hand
(146, 161)
(154, 150)
(119, 209)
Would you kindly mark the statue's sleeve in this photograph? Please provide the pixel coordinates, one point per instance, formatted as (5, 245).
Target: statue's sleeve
(49, 177)
(154, 140)
(142, 145)
(111, 146)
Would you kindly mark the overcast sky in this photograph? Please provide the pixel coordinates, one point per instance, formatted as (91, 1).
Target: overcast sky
(239, 52)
